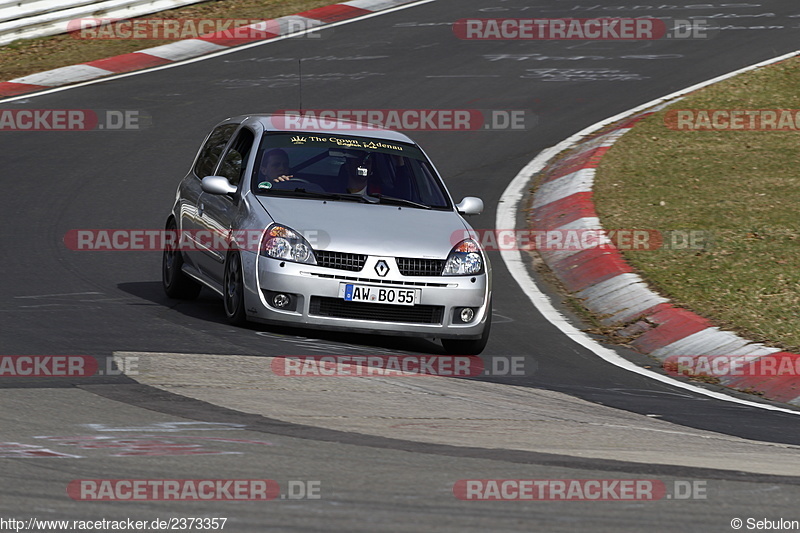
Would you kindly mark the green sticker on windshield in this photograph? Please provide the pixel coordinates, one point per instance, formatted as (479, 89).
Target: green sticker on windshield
(265, 185)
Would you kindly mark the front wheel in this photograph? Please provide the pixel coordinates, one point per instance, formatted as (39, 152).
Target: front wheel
(233, 286)
(471, 346)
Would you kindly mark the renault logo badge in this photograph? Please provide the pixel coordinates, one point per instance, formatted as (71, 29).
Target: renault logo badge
(381, 268)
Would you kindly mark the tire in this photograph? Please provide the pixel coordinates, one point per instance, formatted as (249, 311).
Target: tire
(471, 346)
(176, 284)
(233, 290)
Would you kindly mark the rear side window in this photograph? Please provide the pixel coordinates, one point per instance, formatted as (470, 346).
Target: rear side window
(212, 150)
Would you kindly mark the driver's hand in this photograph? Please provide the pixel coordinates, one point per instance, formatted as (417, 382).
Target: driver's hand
(283, 178)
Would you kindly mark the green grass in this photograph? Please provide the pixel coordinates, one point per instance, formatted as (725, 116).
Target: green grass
(744, 187)
(29, 56)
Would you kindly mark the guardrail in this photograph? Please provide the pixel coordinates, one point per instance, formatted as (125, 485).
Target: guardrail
(25, 19)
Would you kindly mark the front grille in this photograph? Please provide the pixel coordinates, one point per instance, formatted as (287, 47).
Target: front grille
(342, 277)
(412, 266)
(339, 308)
(340, 260)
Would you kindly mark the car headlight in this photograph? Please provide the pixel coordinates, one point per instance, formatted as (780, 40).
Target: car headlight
(465, 259)
(280, 242)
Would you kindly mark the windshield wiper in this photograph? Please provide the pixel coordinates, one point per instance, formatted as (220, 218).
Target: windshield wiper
(398, 201)
(358, 197)
(326, 195)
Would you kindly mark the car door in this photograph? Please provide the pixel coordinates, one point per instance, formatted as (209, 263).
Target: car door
(191, 207)
(218, 212)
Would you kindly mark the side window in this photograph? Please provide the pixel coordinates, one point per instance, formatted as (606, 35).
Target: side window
(212, 149)
(235, 160)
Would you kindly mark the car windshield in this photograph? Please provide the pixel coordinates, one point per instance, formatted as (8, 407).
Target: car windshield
(341, 167)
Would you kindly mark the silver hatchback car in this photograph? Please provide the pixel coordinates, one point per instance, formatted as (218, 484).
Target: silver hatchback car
(343, 228)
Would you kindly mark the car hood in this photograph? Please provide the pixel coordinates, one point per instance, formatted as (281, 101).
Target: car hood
(371, 229)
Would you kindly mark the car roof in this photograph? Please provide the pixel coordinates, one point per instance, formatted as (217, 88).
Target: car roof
(273, 121)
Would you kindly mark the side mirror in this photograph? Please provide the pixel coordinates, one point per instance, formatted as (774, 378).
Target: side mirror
(217, 185)
(470, 205)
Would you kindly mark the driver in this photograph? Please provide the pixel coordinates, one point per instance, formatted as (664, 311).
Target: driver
(275, 165)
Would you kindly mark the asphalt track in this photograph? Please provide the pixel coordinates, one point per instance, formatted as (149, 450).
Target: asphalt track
(57, 301)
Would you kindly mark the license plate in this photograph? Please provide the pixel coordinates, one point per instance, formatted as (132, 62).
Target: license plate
(379, 295)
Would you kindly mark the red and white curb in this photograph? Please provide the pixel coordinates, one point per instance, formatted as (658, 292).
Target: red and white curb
(606, 284)
(190, 48)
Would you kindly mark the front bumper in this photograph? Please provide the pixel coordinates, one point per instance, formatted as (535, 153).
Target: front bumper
(317, 303)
